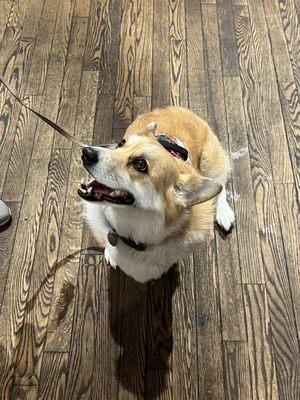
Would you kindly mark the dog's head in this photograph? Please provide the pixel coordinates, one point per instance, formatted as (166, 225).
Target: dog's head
(142, 174)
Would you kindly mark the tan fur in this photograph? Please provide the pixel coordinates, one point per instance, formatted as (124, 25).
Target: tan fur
(205, 152)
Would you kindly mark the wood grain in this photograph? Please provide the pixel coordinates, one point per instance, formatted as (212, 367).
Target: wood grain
(290, 100)
(99, 34)
(14, 305)
(82, 354)
(133, 333)
(291, 28)
(227, 252)
(143, 49)
(156, 386)
(271, 114)
(178, 70)
(277, 283)
(5, 7)
(242, 195)
(225, 323)
(184, 324)
(288, 208)
(161, 95)
(32, 338)
(15, 118)
(262, 367)
(236, 362)
(230, 62)
(40, 60)
(195, 59)
(55, 369)
(58, 339)
(125, 78)
(106, 381)
(209, 338)
(82, 8)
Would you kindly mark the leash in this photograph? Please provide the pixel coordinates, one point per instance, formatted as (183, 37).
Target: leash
(53, 125)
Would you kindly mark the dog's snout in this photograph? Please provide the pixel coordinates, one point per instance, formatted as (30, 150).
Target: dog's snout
(89, 156)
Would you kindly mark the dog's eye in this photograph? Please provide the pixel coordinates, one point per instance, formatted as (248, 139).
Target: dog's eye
(140, 164)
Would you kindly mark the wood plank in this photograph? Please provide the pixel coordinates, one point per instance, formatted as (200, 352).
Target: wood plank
(24, 392)
(209, 340)
(32, 339)
(244, 204)
(161, 95)
(14, 304)
(98, 33)
(87, 104)
(159, 340)
(178, 69)
(290, 100)
(291, 28)
(125, 80)
(262, 366)
(6, 246)
(277, 283)
(93, 352)
(157, 385)
(230, 61)
(288, 208)
(103, 119)
(32, 18)
(82, 8)
(71, 84)
(289, 93)
(108, 328)
(184, 355)
(271, 114)
(143, 50)
(14, 117)
(53, 376)
(40, 60)
(227, 254)
(110, 53)
(58, 339)
(82, 354)
(17, 170)
(5, 7)
(132, 360)
(23, 143)
(237, 371)
(195, 59)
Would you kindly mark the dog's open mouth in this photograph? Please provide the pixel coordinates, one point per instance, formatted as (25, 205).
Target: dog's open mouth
(95, 191)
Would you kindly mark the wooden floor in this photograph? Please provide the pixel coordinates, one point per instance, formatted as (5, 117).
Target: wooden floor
(225, 323)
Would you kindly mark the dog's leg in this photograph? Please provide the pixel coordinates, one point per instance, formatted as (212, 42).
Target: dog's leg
(224, 213)
(215, 164)
(108, 255)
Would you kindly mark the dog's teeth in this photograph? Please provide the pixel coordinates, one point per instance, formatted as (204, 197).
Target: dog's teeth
(117, 192)
(89, 190)
(82, 181)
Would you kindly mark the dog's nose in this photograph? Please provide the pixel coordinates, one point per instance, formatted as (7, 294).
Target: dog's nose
(89, 156)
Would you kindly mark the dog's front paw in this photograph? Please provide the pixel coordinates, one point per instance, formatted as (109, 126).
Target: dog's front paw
(109, 259)
(225, 217)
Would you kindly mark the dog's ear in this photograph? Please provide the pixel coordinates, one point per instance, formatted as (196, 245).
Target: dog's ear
(194, 189)
(150, 129)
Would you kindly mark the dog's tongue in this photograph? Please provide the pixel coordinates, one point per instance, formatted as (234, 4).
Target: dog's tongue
(98, 188)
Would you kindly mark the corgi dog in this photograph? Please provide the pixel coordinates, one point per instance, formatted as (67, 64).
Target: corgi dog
(155, 196)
